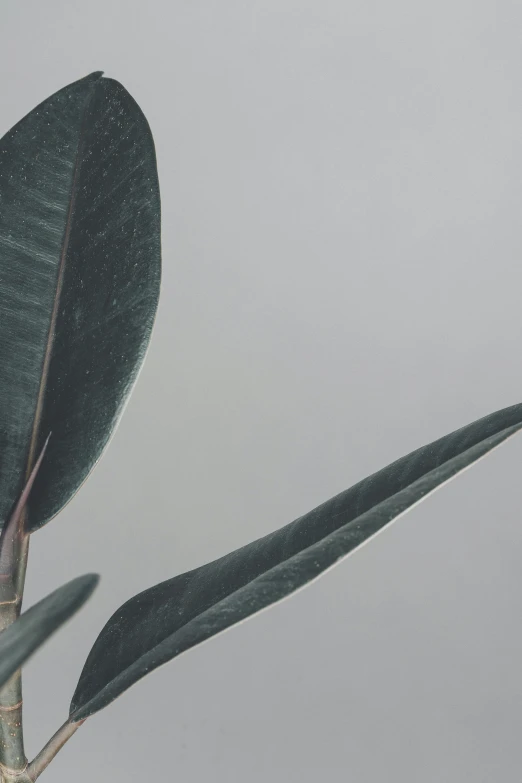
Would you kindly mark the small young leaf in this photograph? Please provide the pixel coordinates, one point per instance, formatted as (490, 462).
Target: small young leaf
(165, 620)
(79, 283)
(33, 627)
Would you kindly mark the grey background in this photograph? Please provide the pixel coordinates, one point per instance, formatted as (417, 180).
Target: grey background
(341, 188)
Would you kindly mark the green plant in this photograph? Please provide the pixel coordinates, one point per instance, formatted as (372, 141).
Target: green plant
(79, 285)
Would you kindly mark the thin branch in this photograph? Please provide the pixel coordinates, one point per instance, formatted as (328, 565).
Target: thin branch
(49, 751)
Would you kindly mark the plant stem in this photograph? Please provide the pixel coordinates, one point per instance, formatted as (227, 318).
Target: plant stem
(11, 734)
(14, 550)
(12, 754)
(49, 751)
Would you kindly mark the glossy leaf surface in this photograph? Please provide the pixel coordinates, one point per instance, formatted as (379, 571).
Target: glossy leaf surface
(33, 627)
(79, 283)
(165, 620)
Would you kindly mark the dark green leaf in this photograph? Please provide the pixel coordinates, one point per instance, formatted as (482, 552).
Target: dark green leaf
(25, 635)
(79, 283)
(171, 617)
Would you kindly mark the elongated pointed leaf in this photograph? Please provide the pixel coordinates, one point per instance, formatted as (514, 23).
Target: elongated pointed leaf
(79, 283)
(165, 620)
(33, 627)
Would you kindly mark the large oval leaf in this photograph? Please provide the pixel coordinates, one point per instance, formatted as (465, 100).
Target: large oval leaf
(33, 627)
(79, 283)
(171, 617)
